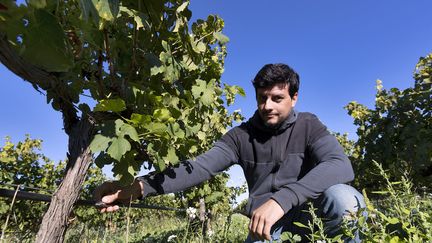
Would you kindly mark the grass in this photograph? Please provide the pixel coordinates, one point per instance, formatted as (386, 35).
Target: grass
(400, 216)
(175, 229)
(396, 213)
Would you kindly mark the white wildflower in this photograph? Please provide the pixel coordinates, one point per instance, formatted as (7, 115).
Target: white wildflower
(191, 213)
(210, 233)
(348, 217)
(171, 238)
(321, 241)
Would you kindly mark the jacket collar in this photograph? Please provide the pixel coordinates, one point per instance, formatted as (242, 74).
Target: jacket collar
(257, 123)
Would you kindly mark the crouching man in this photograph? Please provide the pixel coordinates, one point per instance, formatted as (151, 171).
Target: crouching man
(288, 157)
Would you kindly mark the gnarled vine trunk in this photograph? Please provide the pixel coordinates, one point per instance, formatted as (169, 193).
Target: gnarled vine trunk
(54, 222)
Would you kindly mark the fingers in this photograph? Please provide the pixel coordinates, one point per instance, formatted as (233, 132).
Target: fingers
(110, 193)
(259, 228)
(109, 203)
(110, 209)
(252, 227)
(110, 198)
(266, 231)
(105, 195)
(263, 219)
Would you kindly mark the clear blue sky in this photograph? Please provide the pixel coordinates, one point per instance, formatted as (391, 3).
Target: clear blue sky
(339, 48)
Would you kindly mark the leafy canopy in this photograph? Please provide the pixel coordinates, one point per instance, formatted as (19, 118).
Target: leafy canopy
(397, 132)
(147, 76)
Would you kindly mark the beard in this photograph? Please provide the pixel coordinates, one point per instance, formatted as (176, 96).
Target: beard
(272, 125)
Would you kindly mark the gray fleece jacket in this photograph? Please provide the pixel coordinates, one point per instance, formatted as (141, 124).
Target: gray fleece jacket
(291, 163)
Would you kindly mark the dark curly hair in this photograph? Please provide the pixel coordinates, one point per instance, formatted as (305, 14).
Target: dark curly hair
(272, 74)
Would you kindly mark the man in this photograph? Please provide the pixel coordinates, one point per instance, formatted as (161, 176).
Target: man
(288, 158)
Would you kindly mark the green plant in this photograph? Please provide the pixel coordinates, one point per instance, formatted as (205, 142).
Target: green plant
(396, 132)
(154, 76)
(23, 164)
(315, 228)
(399, 214)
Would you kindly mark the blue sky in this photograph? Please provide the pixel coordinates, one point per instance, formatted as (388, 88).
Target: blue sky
(339, 48)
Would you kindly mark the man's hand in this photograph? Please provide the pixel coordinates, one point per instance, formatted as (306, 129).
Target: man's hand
(263, 219)
(111, 193)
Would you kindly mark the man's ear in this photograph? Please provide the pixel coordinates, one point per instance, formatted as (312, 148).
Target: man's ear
(294, 99)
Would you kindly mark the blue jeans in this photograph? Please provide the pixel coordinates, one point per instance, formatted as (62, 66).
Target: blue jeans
(331, 206)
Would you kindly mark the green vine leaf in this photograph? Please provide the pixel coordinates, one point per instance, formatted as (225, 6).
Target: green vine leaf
(118, 148)
(99, 143)
(182, 7)
(107, 9)
(38, 3)
(88, 9)
(115, 105)
(156, 128)
(162, 114)
(171, 157)
(129, 130)
(175, 131)
(44, 43)
(204, 92)
(140, 120)
(223, 39)
(198, 47)
(161, 72)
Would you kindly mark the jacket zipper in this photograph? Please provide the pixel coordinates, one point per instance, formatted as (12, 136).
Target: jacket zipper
(275, 171)
(278, 161)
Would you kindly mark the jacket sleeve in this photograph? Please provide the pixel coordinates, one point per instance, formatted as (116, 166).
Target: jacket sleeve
(190, 172)
(333, 167)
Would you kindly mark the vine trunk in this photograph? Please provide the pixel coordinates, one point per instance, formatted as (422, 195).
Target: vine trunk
(55, 220)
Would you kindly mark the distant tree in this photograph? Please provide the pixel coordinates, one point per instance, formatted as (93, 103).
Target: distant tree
(155, 79)
(397, 133)
(23, 164)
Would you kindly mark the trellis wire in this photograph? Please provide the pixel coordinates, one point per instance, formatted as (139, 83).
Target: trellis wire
(23, 195)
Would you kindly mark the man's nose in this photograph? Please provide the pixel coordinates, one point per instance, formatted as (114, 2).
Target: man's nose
(268, 104)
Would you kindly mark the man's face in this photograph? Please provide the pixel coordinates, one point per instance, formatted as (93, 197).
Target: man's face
(274, 104)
